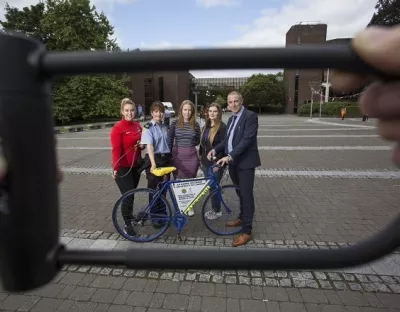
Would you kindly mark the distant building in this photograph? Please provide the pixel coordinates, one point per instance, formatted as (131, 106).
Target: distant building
(297, 82)
(219, 83)
(165, 86)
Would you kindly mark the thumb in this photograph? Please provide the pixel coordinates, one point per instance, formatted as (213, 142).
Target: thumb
(379, 46)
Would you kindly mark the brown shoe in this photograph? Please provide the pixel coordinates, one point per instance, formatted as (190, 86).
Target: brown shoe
(234, 223)
(242, 239)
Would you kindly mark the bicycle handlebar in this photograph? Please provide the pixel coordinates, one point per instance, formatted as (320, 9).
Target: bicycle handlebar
(31, 253)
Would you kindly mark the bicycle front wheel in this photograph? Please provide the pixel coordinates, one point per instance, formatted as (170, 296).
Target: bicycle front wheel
(221, 206)
(141, 215)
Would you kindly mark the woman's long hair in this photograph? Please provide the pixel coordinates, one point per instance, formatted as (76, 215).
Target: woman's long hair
(213, 130)
(192, 119)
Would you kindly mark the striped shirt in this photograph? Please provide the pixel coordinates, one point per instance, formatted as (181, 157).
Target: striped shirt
(184, 137)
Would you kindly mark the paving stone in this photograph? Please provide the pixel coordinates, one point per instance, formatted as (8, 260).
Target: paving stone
(194, 303)
(355, 286)
(82, 293)
(294, 295)
(230, 279)
(276, 294)
(340, 285)
(176, 302)
(105, 295)
(349, 277)
(270, 282)
(203, 289)
(168, 287)
(252, 305)
(120, 308)
(320, 275)
(157, 300)
(79, 306)
(137, 284)
(238, 291)
(325, 284)
(292, 307)
(285, 282)
(121, 297)
(313, 296)
(213, 304)
(14, 302)
(151, 286)
(139, 299)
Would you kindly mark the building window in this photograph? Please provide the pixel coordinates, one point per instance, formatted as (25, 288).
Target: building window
(161, 88)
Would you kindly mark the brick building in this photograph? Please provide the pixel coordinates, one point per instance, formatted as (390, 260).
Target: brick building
(171, 87)
(297, 82)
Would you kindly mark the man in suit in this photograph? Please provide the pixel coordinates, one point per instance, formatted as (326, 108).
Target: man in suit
(240, 146)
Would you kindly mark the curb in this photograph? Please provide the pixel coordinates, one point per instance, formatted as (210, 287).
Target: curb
(86, 127)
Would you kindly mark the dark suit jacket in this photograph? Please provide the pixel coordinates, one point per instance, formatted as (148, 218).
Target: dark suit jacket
(244, 144)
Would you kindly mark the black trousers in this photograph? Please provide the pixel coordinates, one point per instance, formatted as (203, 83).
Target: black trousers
(127, 179)
(162, 160)
(244, 179)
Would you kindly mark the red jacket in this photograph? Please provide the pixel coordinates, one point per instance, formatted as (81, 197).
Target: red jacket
(124, 136)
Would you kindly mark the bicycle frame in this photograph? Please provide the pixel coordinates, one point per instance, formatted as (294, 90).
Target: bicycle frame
(166, 186)
(31, 253)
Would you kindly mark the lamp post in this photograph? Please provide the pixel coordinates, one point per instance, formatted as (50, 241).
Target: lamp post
(326, 84)
(195, 97)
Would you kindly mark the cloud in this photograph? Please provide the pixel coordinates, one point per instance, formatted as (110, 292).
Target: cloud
(343, 17)
(164, 45)
(215, 3)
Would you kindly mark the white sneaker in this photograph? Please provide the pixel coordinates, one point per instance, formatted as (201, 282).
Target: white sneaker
(212, 215)
(191, 213)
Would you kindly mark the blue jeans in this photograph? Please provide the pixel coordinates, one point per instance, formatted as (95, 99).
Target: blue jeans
(215, 200)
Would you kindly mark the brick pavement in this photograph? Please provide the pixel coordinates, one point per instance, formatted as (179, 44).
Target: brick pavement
(292, 211)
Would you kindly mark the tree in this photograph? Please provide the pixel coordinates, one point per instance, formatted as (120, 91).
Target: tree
(85, 97)
(26, 20)
(221, 100)
(387, 14)
(73, 25)
(263, 91)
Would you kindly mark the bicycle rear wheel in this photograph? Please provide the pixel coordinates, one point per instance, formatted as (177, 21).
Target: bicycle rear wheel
(137, 214)
(221, 206)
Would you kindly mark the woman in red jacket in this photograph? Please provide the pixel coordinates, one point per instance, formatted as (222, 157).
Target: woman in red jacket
(126, 152)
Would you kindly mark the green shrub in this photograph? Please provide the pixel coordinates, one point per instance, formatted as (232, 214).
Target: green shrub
(331, 109)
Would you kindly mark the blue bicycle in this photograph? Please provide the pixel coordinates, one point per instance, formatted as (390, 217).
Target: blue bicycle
(141, 216)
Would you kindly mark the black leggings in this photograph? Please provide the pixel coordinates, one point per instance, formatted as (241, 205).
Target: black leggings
(127, 179)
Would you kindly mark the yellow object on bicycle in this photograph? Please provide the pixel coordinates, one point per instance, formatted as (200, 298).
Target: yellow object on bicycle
(159, 172)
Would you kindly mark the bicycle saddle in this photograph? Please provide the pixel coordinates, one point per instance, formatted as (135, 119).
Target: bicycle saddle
(159, 172)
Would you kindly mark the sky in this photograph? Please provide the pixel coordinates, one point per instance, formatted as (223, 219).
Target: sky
(188, 24)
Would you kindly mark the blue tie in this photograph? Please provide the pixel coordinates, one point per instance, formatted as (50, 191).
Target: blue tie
(230, 140)
(232, 124)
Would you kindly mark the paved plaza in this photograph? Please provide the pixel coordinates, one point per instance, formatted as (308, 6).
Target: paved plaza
(323, 183)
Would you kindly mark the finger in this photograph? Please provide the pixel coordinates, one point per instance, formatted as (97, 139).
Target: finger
(379, 46)
(346, 82)
(396, 155)
(389, 129)
(60, 175)
(381, 100)
(3, 164)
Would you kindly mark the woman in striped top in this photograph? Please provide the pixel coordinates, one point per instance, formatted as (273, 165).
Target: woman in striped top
(184, 135)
